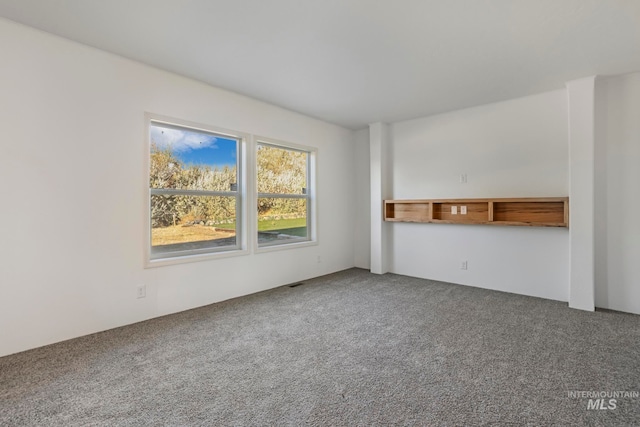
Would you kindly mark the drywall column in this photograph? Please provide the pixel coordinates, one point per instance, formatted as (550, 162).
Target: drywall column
(582, 192)
(617, 155)
(362, 230)
(379, 172)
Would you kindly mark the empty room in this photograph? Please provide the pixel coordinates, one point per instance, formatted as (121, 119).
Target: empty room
(306, 212)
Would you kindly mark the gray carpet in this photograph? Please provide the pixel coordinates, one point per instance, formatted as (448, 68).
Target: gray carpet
(350, 348)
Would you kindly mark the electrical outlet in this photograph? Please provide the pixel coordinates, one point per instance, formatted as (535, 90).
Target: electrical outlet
(319, 259)
(463, 210)
(463, 178)
(141, 291)
(463, 265)
(454, 210)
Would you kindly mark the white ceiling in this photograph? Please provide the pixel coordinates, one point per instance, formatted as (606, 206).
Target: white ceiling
(354, 62)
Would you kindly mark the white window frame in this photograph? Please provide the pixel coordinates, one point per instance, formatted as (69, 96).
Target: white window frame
(240, 248)
(310, 196)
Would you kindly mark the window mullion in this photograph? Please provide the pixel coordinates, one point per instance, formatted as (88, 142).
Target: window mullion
(282, 196)
(178, 192)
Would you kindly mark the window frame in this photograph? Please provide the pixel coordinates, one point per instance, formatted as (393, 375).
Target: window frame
(240, 248)
(310, 196)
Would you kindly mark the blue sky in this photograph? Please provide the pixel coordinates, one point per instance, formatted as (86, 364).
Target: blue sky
(195, 148)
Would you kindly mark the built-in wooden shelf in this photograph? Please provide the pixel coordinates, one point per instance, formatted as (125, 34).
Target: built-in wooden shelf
(529, 211)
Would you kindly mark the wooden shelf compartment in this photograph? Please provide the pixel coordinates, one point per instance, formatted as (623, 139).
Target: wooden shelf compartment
(530, 211)
(476, 211)
(549, 213)
(411, 211)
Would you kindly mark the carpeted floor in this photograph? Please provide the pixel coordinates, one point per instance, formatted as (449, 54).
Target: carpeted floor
(350, 348)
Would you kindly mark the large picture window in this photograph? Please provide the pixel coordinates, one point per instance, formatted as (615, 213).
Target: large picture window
(285, 190)
(194, 198)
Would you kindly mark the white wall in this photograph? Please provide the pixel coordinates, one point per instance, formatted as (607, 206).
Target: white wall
(617, 204)
(516, 148)
(362, 231)
(73, 150)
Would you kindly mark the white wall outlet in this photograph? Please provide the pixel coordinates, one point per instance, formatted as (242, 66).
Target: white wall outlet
(463, 265)
(141, 291)
(463, 178)
(463, 210)
(454, 210)
(319, 259)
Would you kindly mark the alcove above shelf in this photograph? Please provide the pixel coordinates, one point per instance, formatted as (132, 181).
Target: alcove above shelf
(528, 211)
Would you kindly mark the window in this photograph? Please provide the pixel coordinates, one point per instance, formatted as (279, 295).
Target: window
(194, 197)
(285, 194)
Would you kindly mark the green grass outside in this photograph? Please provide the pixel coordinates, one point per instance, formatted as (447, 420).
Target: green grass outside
(293, 227)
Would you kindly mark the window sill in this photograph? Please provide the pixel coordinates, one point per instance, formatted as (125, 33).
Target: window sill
(194, 258)
(285, 246)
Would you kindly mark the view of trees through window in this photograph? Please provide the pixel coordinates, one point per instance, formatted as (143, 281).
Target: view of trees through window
(196, 192)
(282, 194)
(193, 180)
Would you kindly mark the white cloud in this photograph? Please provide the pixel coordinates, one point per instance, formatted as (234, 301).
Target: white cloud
(181, 141)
